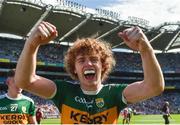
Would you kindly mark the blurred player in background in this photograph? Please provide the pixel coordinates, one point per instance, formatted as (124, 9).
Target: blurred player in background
(125, 116)
(89, 61)
(16, 108)
(166, 113)
(130, 113)
(39, 115)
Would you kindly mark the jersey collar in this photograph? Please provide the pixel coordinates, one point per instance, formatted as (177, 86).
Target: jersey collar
(19, 97)
(92, 92)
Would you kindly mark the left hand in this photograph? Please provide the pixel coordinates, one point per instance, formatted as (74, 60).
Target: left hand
(135, 39)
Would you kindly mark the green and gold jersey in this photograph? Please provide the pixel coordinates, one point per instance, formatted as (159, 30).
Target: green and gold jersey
(16, 110)
(79, 108)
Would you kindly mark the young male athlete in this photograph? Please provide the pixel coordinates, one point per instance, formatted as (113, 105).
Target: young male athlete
(15, 108)
(89, 61)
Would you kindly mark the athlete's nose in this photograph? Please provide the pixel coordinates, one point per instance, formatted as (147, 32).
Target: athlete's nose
(88, 62)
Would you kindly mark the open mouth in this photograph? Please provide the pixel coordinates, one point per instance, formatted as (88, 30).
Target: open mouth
(89, 74)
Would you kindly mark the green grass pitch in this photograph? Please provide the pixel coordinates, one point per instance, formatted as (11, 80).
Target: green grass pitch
(136, 119)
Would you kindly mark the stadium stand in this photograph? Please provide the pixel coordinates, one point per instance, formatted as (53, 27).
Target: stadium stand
(74, 21)
(154, 105)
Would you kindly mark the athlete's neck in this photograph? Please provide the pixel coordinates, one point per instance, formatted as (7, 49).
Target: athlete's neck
(92, 92)
(13, 95)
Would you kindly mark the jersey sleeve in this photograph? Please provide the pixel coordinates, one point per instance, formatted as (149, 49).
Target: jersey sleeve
(118, 94)
(60, 92)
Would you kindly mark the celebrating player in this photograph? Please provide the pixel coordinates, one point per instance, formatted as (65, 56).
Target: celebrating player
(16, 108)
(89, 61)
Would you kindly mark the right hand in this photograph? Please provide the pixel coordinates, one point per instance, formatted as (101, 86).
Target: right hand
(42, 34)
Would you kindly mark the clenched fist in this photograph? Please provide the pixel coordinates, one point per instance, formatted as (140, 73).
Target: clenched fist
(43, 34)
(135, 39)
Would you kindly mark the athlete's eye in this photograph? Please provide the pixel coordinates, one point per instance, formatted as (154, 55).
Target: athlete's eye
(80, 60)
(94, 59)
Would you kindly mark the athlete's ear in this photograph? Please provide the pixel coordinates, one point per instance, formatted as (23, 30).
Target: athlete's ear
(7, 81)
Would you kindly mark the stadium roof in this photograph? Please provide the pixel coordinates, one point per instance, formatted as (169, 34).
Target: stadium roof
(74, 21)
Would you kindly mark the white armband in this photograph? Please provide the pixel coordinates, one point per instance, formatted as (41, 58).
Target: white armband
(124, 99)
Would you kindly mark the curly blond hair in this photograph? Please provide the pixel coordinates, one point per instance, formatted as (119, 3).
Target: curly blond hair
(90, 46)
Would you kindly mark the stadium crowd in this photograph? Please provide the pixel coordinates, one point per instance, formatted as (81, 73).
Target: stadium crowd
(11, 49)
(154, 105)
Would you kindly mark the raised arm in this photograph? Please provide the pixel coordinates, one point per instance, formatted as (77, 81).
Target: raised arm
(153, 83)
(25, 76)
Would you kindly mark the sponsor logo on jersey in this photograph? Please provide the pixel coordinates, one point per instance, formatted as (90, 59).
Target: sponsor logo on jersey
(24, 109)
(3, 108)
(99, 102)
(73, 116)
(13, 119)
(83, 100)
